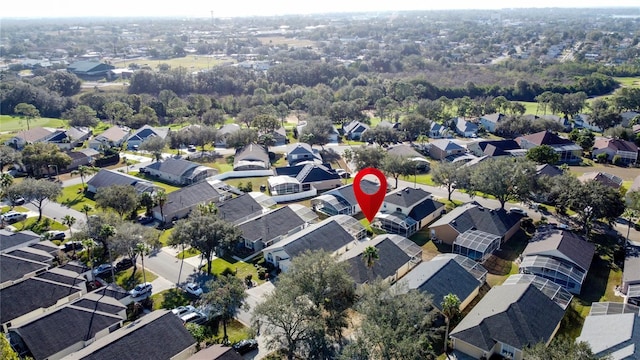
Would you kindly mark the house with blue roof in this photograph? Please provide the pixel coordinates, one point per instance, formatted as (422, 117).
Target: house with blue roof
(144, 133)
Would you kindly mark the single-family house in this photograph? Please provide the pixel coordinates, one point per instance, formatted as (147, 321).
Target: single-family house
(59, 333)
(397, 255)
(604, 178)
(139, 136)
(405, 211)
(465, 128)
(217, 352)
(563, 121)
(335, 235)
(83, 157)
(631, 274)
(37, 296)
(223, 134)
(612, 330)
(388, 125)
(251, 157)
(279, 136)
(584, 121)
(140, 340)
(181, 202)
(268, 228)
(473, 216)
(178, 171)
(569, 152)
(558, 255)
(298, 178)
(408, 152)
(342, 200)
(45, 245)
(490, 121)
(90, 70)
(69, 138)
(63, 276)
(106, 177)
(334, 134)
(548, 170)
(241, 208)
(476, 244)
(626, 150)
(451, 274)
(443, 148)
(24, 137)
(521, 312)
(494, 148)
(114, 136)
(354, 130)
(300, 152)
(439, 131)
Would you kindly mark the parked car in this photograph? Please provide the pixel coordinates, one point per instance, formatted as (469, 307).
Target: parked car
(195, 317)
(193, 289)
(143, 219)
(18, 201)
(343, 174)
(72, 245)
(191, 148)
(103, 270)
(563, 226)
(13, 217)
(141, 289)
(124, 264)
(519, 211)
(245, 346)
(180, 311)
(54, 235)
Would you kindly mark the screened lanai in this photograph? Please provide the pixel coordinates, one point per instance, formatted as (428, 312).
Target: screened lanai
(395, 223)
(554, 291)
(476, 245)
(556, 270)
(331, 205)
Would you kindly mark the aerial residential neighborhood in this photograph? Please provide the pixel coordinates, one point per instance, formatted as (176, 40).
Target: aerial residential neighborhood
(184, 188)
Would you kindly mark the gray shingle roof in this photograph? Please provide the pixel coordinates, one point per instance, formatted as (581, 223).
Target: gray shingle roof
(308, 173)
(329, 237)
(106, 177)
(31, 255)
(148, 131)
(442, 277)
(9, 240)
(33, 294)
(141, 340)
(631, 272)
(102, 305)
(405, 151)
(518, 315)
(253, 152)
(425, 208)
(177, 167)
(572, 246)
(471, 215)
(271, 225)
(614, 332)
(60, 329)
(407, 197)
(346, 192)
(60, 278)
(188, 197)
(391, 258)
(13, 268)
(238, 208)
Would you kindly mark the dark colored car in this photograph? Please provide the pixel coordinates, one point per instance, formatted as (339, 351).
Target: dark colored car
(71, 246)
(103, 270)
(143, 219)
(124, 264)
(245, 346)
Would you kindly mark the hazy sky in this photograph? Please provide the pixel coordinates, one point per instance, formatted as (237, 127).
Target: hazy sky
(222, 8)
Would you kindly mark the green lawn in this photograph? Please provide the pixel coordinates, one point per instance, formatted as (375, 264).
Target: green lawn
(240, 268)
(13, 123)
(256, 182)
(168, 188)
(73, 197)
(193, 62)
(424, 179)
(190, 252)
(633, 82)
(124, 279)
(169, 299)
(38, 228)
(164, 237)
(7, 208)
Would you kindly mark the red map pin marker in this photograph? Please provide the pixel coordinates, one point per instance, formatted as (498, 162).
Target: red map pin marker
(370, 203)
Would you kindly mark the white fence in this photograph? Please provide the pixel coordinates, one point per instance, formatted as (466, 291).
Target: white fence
(242, 174)
(295, 196)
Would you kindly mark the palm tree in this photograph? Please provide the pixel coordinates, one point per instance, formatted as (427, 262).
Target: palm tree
(450, 309)
(89, 244)
(84, 171)
(69, 221)
(160, 198)
(141, 249)
(369, 257)
(86, 209)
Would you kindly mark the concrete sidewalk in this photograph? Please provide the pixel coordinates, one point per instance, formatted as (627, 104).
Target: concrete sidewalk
(195, 261)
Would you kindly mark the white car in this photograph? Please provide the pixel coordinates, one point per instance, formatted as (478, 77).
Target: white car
(195, 317)
(193, 289)
(13, 216)
(141, 289)
(563, 226)
(180, 311)
(516, 210)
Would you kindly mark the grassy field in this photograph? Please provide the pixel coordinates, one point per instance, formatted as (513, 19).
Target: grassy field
(169, 299)
(240, 268)
(281, 40)
(124, 279)
(31, 223)
(190, 252)
(13, 123)
(633, 82)
(164, 237)
(192, 62)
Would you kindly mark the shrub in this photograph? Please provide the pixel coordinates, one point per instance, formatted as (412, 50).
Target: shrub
(601, 158)
(228, 271)
(617, 160)
(262, 273)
